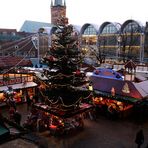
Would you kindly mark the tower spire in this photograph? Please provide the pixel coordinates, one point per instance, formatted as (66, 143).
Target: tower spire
(58, 3)
(51, 3)
(64, 3)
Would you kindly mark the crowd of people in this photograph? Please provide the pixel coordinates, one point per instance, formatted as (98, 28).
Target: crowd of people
(14, 114)
(39, 121)
(112, 108)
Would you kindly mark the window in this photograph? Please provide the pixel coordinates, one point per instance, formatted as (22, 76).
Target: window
(90, 30)
(13, 33)
(110, 28)
(132, 27)
(4, 33)
(16, 46)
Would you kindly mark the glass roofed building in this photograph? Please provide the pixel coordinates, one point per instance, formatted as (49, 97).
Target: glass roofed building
(33, 26)
(115, 41)
(107, 38)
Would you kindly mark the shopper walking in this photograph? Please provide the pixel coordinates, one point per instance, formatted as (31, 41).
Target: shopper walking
(139, 138)
(17, 117)
(29, 101)
(11, 102)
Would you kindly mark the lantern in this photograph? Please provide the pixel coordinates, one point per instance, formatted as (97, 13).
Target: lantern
(90, 87)
(113, 91)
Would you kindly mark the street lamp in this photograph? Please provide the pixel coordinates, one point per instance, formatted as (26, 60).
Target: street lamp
(142, 38)
(119, 40)
(36, 40)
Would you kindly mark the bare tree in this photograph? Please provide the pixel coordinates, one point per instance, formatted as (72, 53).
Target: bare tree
(130, 38)
(100, 53)
(97, 50)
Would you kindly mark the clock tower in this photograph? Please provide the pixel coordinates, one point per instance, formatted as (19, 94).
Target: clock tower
(58, 9)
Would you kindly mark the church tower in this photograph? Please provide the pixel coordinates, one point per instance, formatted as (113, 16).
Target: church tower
(58, 9)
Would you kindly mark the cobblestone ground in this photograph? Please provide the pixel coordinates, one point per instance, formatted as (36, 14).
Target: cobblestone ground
(103, 133)
(18, 143)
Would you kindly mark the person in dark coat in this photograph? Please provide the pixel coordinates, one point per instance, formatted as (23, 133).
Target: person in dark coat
(17, 117)
(11, 113)
(29, 101)
(139, 138)
(11, 102)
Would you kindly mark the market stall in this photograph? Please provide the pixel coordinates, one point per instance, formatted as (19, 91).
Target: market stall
(58, 122)
(113, 107)
(16, 85)
(115, 95)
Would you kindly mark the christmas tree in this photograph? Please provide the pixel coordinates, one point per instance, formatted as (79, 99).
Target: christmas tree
(65, 80)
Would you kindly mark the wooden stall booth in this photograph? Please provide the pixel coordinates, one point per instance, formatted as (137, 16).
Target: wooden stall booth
(115, 94)
(55, 120)
(17, 85)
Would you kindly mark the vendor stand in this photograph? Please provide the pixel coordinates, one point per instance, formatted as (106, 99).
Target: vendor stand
(115, 94)
(17, 86)
(113, 108)
(58, 121)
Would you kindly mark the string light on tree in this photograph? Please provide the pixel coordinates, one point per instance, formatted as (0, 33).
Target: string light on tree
(64, 61)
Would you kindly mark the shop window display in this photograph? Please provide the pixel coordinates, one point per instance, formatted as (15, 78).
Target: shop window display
(112, 107)
(19, 86)
(39, 121)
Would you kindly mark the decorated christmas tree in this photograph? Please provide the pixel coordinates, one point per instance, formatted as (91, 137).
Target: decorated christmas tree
(64, 89)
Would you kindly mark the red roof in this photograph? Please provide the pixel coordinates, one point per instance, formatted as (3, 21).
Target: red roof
(7, 30)
(123, 88)
(88, 67)
(130, 65)
(7, 62)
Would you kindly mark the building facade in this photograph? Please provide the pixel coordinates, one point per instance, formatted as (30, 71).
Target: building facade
(58, 10)
(114, 41)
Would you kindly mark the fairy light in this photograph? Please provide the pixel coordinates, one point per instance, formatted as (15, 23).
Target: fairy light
(18, 42)
(19, 61)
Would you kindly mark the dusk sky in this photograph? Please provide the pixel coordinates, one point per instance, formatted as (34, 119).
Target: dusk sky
(13, 13)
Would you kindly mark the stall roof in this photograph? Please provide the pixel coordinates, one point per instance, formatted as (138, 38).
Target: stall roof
(142, 87)
(3, 88)
(19, 86)
(140, 77)
(107, 73)
(130, 64)
(24, 85)
(62, 113)
(127, 89)
(41, 76)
